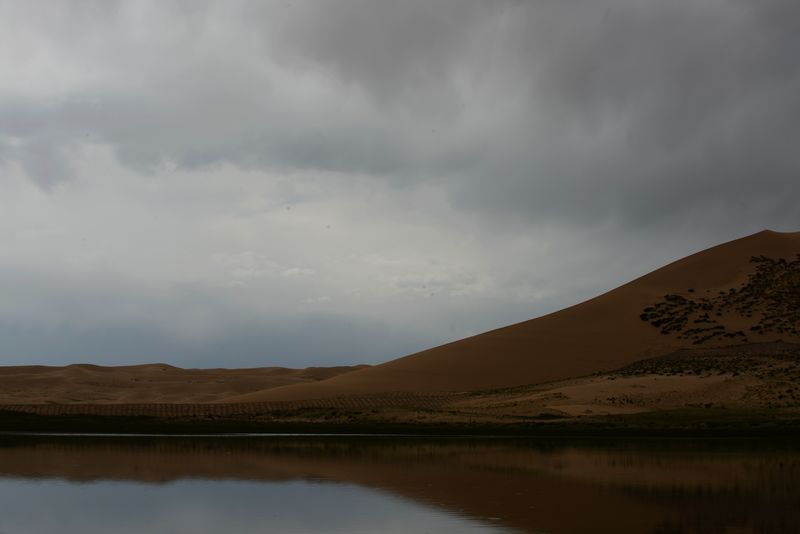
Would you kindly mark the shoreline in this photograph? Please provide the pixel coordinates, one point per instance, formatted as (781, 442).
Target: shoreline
(708, 423)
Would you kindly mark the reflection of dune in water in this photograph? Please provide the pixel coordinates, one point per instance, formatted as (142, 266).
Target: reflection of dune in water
(553, 487)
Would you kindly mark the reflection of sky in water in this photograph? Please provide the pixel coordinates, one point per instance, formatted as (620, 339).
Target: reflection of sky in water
(199, 506)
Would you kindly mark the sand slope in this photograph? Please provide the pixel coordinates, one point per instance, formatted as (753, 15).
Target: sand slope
(151, 383)
(601, 334)
(756, 376)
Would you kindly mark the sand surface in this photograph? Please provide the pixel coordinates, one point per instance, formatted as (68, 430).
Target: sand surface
(611, 395)
(600, 334)
(151, 383)
(757, 378)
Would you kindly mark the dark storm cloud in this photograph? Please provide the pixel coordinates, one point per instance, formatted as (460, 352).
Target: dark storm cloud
(636, 111)
(398, 50)
(630, 131)
(658, 109)
(645, 112)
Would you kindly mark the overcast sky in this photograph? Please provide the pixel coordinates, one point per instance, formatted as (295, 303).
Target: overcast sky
(321, 182)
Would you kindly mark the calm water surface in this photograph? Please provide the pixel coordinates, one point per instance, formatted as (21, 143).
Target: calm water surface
(383, 484)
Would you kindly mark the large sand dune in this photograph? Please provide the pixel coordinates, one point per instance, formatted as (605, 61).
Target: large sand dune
(601, 334)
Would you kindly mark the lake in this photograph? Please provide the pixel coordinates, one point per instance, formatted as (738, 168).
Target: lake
(359, 484)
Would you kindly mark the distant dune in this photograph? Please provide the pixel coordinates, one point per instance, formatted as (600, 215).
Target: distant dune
(151, 383)
(601, 334)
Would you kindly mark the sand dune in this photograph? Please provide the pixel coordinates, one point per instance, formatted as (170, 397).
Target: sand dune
(601, 334)
(150, 383)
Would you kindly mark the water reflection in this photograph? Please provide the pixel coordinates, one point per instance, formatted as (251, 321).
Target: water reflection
(284, 484)
(202, 506)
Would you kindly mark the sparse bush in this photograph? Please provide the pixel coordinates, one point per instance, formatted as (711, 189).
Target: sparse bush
(771, 296)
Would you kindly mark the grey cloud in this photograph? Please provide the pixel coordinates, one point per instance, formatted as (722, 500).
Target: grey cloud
(54, 317)
(654, 111)
(641, 112)
(45, 162)
(335, 341)
(51, 316)
(182, 106)
(147, 132)
(623, 122)
(401, 50)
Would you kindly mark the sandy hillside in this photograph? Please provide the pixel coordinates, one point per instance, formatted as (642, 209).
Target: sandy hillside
(750, 376)
(718, 297)
(741, 379)
(601, 334)
(152, 383)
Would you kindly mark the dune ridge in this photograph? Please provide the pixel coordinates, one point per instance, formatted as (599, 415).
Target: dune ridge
(713, 298)
(598, 335)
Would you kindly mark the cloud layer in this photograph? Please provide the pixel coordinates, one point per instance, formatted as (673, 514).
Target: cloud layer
(297, 182)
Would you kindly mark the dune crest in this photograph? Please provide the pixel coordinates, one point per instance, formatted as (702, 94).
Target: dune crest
(601, 334)
(740, 292)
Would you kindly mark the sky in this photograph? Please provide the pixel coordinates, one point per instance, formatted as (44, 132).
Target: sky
(298, 182)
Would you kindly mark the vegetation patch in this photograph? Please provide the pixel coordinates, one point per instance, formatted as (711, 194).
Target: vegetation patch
(769, 299)
(761, 360)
